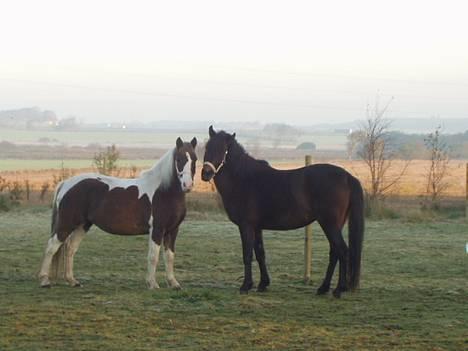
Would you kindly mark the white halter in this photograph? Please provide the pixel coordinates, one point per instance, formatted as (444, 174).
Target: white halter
(216, 170)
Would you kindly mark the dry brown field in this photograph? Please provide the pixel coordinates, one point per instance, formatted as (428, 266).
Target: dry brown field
(412, 183)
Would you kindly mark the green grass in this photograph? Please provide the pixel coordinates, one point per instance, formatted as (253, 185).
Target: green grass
(414, 292)
(17, 165)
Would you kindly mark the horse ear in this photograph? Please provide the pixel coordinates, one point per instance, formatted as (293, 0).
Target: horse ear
(193, 142)
(179, 143)
(230, 138)
(211, 132)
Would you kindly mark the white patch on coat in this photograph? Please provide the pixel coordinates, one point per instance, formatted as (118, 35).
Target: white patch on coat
(52, 246)
(153, 257)
(169, 262)
(72, 243)
(147, 183)
(185, 176)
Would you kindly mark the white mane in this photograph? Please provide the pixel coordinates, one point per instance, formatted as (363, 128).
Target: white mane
(161, 173)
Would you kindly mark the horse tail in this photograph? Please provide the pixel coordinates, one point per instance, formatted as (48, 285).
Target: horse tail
(57, 267)
(55, 209)
(356, 233)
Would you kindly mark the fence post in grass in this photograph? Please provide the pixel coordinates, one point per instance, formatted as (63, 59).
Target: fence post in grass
(308, 240)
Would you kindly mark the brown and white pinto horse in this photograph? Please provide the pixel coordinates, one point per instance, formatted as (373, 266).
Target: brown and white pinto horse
(153, 203)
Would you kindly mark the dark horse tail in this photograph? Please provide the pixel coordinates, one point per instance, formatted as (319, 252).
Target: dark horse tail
(355, 233)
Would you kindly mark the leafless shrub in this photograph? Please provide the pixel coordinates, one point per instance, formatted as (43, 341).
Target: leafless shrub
(436, 174)
(106, 161)
(44, 189)
(133, 171)
(16, 191)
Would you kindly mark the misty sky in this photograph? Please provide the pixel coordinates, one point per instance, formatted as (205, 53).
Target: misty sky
(301, 62)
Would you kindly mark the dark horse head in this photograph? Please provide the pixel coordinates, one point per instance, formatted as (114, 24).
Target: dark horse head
(184, 163)
(216, 151)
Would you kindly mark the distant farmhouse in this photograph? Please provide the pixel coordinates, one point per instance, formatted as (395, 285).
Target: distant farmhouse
(28, 118)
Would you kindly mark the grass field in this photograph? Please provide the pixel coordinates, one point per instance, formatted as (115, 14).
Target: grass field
(413, 295)
(331, 141)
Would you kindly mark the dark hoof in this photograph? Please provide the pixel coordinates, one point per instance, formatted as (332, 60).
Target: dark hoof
(323, 290)
(243, 292)
(337, 293)
(244, 289)
(47, 286)
(77, 285)
(262, 287)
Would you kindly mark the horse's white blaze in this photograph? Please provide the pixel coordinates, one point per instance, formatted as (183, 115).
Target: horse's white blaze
(148, 182)
(153, 256)
(53, 244)
(72, 243)
(169, 262)
(185, 176)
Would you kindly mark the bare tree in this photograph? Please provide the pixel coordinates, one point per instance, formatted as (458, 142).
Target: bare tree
(376, 150)
(437, 172)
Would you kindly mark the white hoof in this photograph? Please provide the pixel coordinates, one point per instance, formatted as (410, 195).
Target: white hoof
(73, 282)
(152, 284)
(174, 284)
(44, 281)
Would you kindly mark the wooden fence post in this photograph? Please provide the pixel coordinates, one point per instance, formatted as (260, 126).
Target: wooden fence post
(308, 240)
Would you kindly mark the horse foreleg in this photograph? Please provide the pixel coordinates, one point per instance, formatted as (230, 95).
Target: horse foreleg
(153, 256)
(169, 253)
(260, 255)
(72, 243)
(247, 236)
(53, 245)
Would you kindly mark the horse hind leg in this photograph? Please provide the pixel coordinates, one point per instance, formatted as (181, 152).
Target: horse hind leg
(154, 245)
(53, 245)
(339, 249)
(71, 247)
(333, 259)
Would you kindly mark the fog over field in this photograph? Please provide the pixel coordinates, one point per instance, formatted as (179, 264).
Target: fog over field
(302, 63)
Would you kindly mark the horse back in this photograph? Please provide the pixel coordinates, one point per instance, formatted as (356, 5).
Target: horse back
(289, 199)
(115, 210)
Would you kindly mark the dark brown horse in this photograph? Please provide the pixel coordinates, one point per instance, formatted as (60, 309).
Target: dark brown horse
(257, 196)
(153, 203)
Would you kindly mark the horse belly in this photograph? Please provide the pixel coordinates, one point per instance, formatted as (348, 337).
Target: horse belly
(288, 217)
(122, 213)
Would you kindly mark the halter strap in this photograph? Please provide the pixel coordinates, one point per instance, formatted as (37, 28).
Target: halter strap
(212, 166)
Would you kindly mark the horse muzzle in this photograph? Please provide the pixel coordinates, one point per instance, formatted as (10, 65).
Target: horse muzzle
(207, 173)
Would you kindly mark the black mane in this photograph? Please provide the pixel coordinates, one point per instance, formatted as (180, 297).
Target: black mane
(239, 160)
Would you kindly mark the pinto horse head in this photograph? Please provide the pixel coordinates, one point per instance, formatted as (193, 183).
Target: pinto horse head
(216, 151)
(184, 162)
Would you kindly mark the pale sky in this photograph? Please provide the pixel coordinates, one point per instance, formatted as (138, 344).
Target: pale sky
(301, 62)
